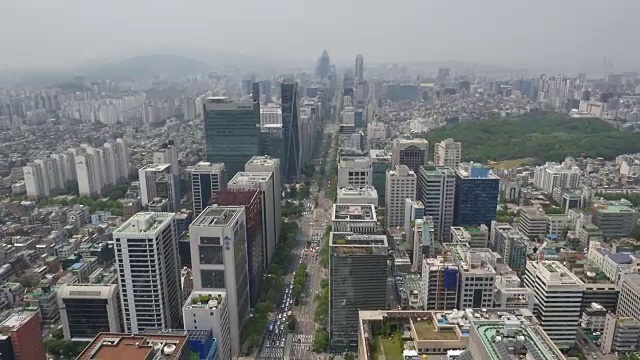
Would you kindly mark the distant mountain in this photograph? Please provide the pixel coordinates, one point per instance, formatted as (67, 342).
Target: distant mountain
(144, 67)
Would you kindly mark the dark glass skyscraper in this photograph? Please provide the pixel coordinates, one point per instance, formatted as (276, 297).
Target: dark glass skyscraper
(476, 197)
(290, 133)
(323, 70)
(232, 132)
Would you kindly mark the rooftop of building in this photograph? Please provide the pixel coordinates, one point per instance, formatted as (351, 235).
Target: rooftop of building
(217, 216)
(475, 171)
(118, 346)
(379, 155)
(264, 160)
(206, 166)
(501, 337)
(556, 273)
(15, 320)
(145, 222)
(354, 212)
(155, 167)
(351, 243)
(348, 160)
(242, 178)
(473, 260)
(401, 170)
(533, 213)
(202, 299)
(87, 291)
(365, 191)
(437, 170)
(614, 209)
(410, 141)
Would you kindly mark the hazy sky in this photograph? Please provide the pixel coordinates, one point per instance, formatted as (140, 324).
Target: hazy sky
(56, 33)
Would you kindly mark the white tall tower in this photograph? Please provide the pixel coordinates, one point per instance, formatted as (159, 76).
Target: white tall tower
(146, 249)
(401, 185)
(448, 153)
(269, 164)
(219, 261)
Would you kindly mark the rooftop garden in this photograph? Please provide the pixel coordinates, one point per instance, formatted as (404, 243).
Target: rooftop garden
(426, 330)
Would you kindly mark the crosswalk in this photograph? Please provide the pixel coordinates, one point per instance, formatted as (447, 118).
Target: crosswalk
(269, 352)
(303, 338)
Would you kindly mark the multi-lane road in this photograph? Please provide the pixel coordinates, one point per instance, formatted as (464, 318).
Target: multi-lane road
(278, 344)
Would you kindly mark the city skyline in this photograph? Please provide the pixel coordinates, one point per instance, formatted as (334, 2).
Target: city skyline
(492, 33)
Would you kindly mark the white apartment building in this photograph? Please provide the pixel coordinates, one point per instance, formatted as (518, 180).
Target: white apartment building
(206, 180)
(629, 299)
(366, 195)
(355, 172)
(269, 164)
(218, 238)
(209, 310)
(88, 309)
(558, 295)
(448, 153)
(533, 222)
(262, 181)
(615, 265)
(401, 185)
(146, 251)
(552, 175)
(36, 180)
(355, 218)
(157, 181)
(99, 169)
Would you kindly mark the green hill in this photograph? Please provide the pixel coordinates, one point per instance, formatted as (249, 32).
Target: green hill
(543, 136)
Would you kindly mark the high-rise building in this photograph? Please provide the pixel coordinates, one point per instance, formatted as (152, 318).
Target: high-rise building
(359, 68)
(533, 222)
(413, 210)
(366, 195)
(448, 153)
(510, 244)
(21, 337)
(290, 130)
(380, 163)
(440, 278)
(158, 344)
(118, 160)
(251, 200)
(477, 275)
(558, 299)
(401, 185)
(629, 300)
(206, 180)
(476, 196)
(265, 92)
(146, 248)
(273, 143)
(168, 154)
(436, 190)
(357, 281)
(157, 182)
(270, 114)
(232, 132)
(188, 108)
(219, 262)
(355, 172)
(262, 181)
(209, 310)
(411, 152)
(476, 237)
(35, 179)
(270, 164)
(552, 175)
(90, 170)
(323, 69)
(89, 309)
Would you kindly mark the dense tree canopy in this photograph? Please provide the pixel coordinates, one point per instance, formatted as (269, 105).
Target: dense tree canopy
(543, 136)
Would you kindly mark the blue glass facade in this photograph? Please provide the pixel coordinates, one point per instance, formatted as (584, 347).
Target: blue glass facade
(476, 199)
